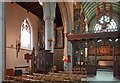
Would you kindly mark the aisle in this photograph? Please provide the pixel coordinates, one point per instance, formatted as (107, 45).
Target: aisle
(103, 76)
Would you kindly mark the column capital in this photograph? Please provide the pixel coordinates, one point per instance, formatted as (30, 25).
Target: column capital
(48, 18)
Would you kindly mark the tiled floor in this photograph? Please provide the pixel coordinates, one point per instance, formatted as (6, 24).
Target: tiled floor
(103, 76)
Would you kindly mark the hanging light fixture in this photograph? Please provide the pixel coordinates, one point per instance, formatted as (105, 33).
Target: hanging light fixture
(40, 2)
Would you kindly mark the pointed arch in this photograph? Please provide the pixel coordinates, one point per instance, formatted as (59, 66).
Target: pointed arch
(105, 24)
(26, 34)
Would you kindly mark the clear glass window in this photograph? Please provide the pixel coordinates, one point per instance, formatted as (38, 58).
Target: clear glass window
(25, 35)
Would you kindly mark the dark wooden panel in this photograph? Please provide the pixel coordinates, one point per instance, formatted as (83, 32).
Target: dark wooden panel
(94, 35)
(91, 69)
(58, 55)
(43, 61)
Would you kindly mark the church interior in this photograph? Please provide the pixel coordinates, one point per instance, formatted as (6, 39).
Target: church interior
(60, 42)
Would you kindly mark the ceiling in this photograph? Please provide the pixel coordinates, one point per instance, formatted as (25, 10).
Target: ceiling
(33, 7)
(90, 8)
(36, 9)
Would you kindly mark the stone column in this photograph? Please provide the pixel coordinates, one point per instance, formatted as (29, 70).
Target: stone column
(49, 16)
(2, 41)
(47, 33)
(52, 13)
(67, 51)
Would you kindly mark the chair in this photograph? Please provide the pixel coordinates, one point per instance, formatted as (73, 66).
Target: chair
(10, 72)
(18, 72)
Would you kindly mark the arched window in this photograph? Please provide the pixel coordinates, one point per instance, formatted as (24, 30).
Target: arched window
(105, 24)
(25, 34)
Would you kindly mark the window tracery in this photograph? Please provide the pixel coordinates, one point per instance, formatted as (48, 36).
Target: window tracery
(105, 24)
(25, 35)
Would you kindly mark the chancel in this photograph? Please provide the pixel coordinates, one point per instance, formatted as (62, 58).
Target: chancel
(51, 42)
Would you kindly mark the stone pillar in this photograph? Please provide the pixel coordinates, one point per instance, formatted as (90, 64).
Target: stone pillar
(47, 33)
(52, 13)
(49, 16)
(67, 51)
(70, 53)
(2, 41)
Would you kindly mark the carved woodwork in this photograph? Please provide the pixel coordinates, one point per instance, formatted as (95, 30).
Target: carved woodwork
(58, 62)
(90, 41)
(94, 35)
(43, 61)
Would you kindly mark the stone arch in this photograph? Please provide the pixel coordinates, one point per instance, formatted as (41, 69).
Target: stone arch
(67, 19)
(66, 16)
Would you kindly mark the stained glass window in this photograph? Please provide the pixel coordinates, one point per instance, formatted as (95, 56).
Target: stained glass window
(105, 24)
